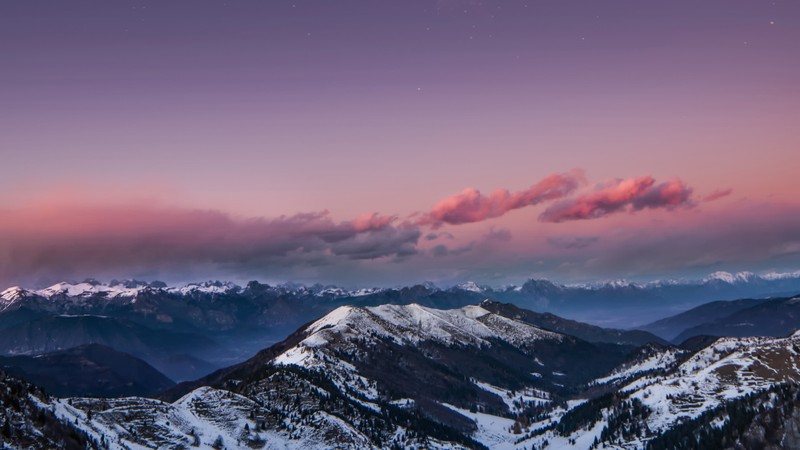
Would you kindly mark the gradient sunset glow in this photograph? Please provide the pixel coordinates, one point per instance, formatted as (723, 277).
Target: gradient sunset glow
(375, 143)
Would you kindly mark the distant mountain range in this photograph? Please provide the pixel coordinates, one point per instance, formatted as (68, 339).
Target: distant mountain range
(401, 376)
(739, 318)
(617, 303)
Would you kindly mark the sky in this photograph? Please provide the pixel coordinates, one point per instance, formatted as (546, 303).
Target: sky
(367, 143)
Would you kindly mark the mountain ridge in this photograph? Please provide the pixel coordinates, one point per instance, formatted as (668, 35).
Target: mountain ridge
(616, 304)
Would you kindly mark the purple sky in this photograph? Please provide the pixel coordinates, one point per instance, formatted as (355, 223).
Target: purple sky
(247, 139)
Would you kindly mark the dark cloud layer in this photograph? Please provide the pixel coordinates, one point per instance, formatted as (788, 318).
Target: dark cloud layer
(69, 241)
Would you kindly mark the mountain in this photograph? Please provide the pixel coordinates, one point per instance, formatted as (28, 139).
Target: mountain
(642, 397)
(371, 377)
(90, 370)
(580, 330)
(670, 327)
(169, 351)
(728, 369)
(502, 348)
(768, 419)
(624, 304)
(27, 419)
(773, 317)
(224, 306)
(187, 332)
(397, 376)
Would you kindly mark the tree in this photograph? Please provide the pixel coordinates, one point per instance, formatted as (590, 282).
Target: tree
(218, 444)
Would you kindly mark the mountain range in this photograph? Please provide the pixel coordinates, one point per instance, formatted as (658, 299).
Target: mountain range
(403, 376)
(186, 332)
(615, 303)
(417, 366)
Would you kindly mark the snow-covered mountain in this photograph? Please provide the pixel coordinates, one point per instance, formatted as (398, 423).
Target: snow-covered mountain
(233, 322)
(396, 376)
(468, 370)
(615, 303)
(675, 386)
(363, 378)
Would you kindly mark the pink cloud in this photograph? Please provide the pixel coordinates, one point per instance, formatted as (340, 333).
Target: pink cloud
(472, 206)
(73, 239)
(632, 194)
(718, 194)
(371, 222)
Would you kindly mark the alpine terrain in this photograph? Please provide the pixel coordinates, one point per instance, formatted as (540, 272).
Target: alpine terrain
(411, 376)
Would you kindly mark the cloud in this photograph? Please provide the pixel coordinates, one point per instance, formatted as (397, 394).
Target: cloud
(633, 194)
(572, 242)
(486, 243)
(432, 236)
(472, 206)
(747, 237)
(70, 238)
(388, 241)
(73, 240)
(718, 194)
(371, 222)
(497, 235)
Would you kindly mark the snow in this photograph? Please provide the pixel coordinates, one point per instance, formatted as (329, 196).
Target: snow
(87, 289)
(781, 275)
(365, 291)
(659, 360)
(619, 283)
(404, 402)
(522, 397)
(583, 438)
(207, 287)
(493, 432)
(84, 289)
(727, 277)
(11, 296)
(139, 423)
(728, 368)
(297, 356)
(496, 432)
(470, 286)
(411, 324)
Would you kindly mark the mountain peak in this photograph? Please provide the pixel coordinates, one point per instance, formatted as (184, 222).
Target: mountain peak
(208, 287)
(412, 324)
(12, 294)
(88, 288)
(470, 286)
(730, 278)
